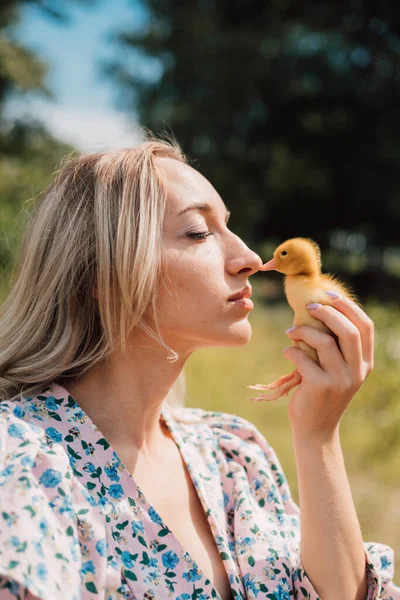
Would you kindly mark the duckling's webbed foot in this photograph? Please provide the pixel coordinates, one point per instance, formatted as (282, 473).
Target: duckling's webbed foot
(280, 387)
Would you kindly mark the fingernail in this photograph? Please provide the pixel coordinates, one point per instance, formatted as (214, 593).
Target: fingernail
(291, 329)
(284, 349)
(313, 306)
(333, 295)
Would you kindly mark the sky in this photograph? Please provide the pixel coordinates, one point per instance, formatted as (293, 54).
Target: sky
(83, 111)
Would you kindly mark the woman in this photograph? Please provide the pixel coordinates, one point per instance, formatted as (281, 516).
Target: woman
(109, 490)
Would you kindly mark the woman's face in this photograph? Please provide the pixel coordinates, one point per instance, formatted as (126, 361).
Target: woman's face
(205, 264)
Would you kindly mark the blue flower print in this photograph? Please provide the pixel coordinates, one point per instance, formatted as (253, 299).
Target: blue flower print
(385, 564)
(285, 496)
(281, 594)
(27, 461)
(115, 459)
(50, 478)
(116, 490)
(18, 544)
(89, 467)
(53, 434)
(92, 501)
(34, 410)
(38, 549)
(271, 497)
(257, 483)
(41, 571)
(43, 526)
(88, 567)
(16, 430)
(170, 559)
(250, 584)
(66, 507)
(7, 472)
(226, 499)
(51, 403)
(89, 450)
(104, 501)
(137, 527)
(154, 516)
(153, 563)
(183, 597)
(191, 575)
(112, 473)
(126, 558)
(15, 541)
(112, 562)
(19, 412)
(101, 547)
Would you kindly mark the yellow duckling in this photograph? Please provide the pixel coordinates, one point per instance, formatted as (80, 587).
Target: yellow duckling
(300, 260)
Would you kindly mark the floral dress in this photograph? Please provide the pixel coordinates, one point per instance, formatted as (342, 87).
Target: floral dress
(74, 525)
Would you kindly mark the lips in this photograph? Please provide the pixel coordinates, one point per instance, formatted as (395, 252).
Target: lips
(243, 293)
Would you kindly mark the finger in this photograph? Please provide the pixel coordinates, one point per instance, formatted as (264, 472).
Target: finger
(363, 323)
(306, 366)
(330, 357)
(349, 336)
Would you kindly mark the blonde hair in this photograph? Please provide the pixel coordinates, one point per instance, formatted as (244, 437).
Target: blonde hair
(97, 226)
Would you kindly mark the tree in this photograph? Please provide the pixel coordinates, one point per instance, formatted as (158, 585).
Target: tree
(289, 107)
(28, 153)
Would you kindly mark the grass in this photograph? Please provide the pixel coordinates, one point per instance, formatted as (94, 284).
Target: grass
(370, 428)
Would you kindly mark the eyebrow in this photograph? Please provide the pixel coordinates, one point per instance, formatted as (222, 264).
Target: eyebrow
(203, 206)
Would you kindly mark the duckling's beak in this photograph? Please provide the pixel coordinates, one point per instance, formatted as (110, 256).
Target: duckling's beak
(269, 266)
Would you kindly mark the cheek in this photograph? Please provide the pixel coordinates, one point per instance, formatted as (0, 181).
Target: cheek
(190, 290)
(193, 286)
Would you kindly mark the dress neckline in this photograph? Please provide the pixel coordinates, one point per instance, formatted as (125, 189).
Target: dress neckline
(191, 461)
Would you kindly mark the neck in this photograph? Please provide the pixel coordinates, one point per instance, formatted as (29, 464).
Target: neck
(124, 395)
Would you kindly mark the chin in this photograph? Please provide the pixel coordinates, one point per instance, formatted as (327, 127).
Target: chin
(234, 334)
(239, 333)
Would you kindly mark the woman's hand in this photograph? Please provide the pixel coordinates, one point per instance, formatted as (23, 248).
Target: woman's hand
(318, 404)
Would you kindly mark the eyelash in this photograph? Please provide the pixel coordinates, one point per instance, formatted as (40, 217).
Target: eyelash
(199, 235)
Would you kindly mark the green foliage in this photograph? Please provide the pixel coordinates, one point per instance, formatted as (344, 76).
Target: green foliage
(22, 178)
(290, 109)
(28, 153)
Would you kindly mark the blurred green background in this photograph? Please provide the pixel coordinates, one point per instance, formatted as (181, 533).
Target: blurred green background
(290, 108)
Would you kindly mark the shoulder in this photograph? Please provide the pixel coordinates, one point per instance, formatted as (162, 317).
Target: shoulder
(234, 434)
(219, 422)
(237, 442)
(38, 535)
(23, 435)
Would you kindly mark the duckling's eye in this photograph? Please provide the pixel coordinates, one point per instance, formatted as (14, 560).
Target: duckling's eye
(283, 253)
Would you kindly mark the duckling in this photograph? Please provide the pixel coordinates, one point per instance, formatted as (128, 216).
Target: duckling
(300, 260)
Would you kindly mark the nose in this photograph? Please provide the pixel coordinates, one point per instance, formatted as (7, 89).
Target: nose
(242, 259)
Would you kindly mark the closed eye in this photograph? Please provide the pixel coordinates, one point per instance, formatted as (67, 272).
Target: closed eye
(199, 235)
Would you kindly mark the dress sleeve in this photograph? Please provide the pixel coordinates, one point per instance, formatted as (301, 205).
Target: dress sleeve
(379, 558)
(39, 543)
